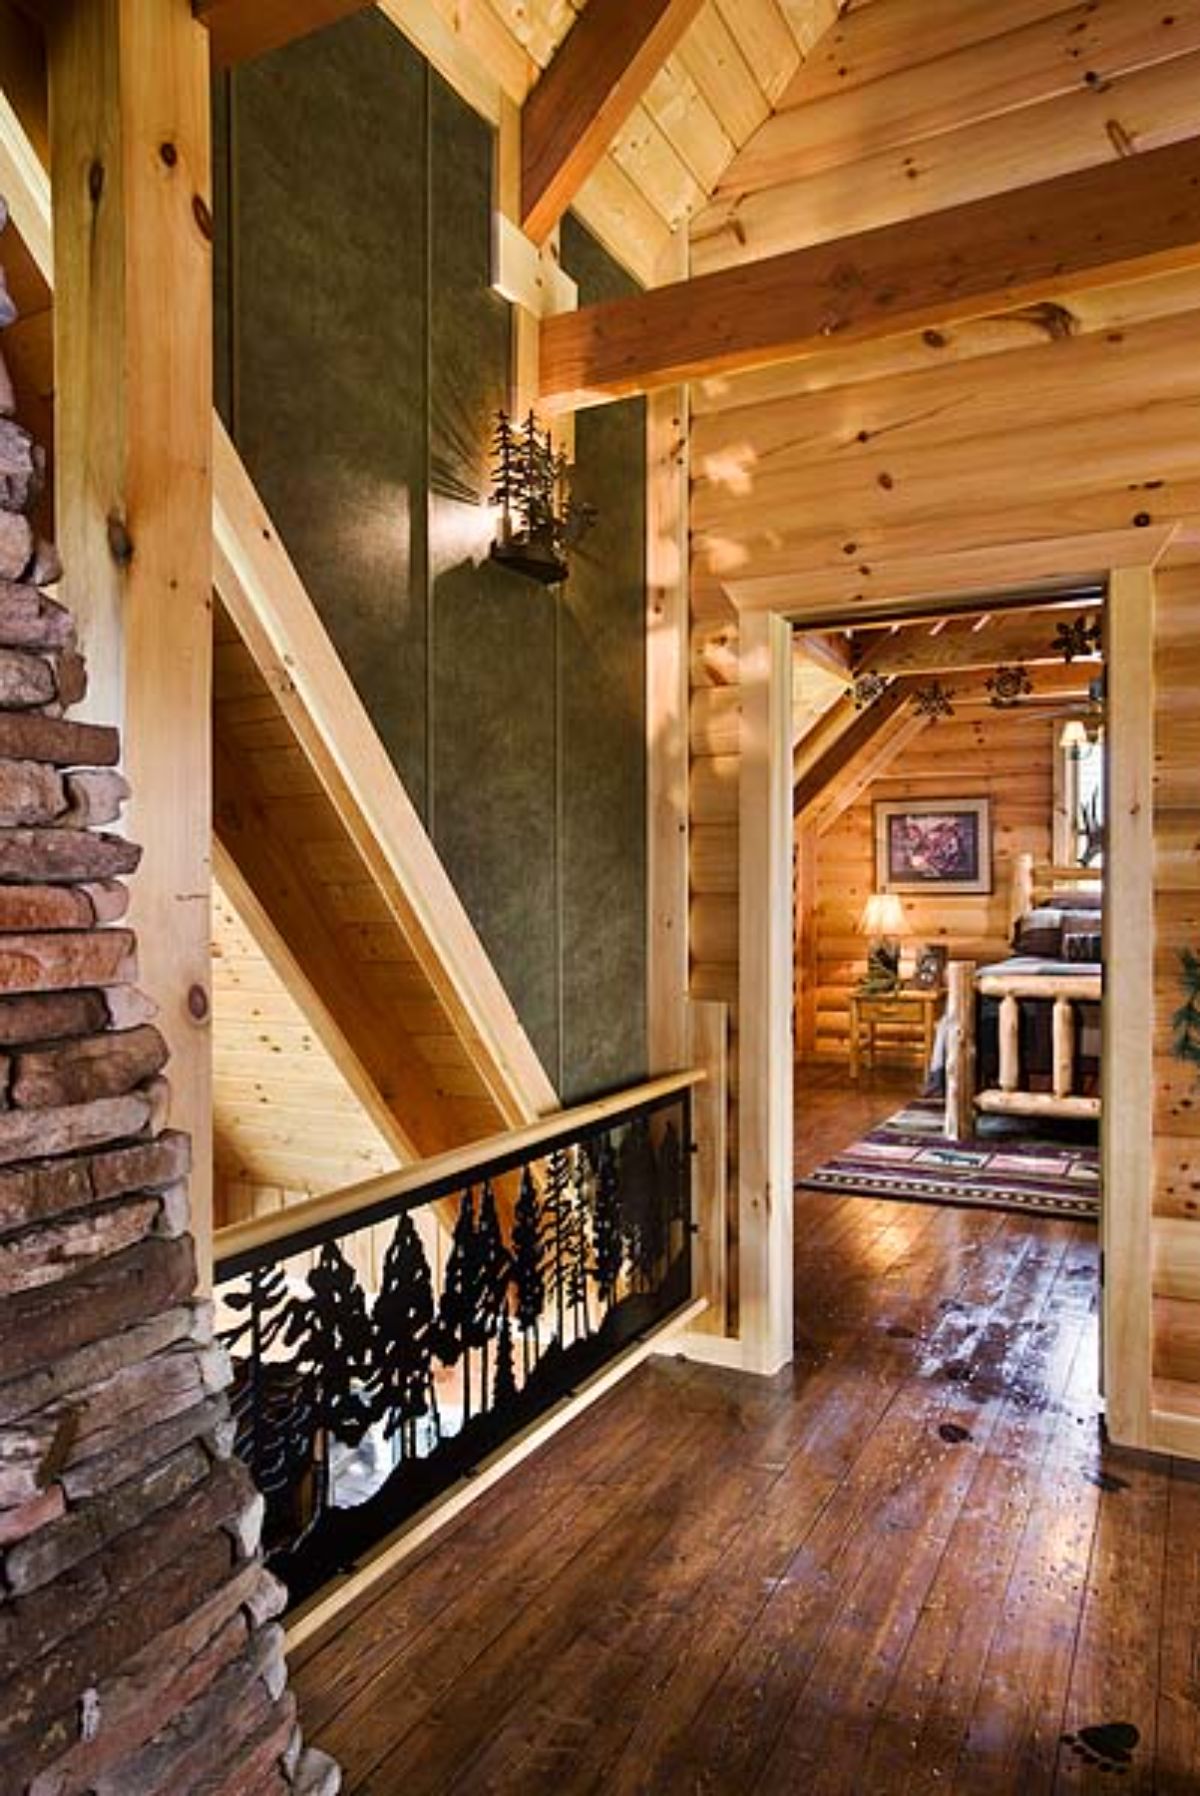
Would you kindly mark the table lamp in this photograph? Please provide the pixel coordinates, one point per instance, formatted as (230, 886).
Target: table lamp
(884, 925)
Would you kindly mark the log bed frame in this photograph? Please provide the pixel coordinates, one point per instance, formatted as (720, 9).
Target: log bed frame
(1032, 883)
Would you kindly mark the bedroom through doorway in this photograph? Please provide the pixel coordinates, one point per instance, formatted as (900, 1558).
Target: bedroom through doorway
(948, 835)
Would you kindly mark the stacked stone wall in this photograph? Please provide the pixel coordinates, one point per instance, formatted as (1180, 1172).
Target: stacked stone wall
(141, 1650)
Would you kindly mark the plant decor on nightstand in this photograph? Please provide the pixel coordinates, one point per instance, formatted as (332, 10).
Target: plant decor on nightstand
(1186, 1021)
(884, 924)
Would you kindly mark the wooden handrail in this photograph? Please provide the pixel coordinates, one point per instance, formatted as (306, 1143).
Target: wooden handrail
(1084, 988)
(457, 1167)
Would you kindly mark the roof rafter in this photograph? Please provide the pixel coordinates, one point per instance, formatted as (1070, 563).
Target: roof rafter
(1022, 636)
(844, 733)
(599, 73)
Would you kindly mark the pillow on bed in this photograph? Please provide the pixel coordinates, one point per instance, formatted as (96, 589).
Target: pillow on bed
(1082, 900)
(1043, 932)
(1082, 945)
(1039, 933)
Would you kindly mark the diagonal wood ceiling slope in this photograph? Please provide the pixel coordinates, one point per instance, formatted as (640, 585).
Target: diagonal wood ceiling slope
(874, 468)
(707, 100)
(286, 1118)
(899, 114)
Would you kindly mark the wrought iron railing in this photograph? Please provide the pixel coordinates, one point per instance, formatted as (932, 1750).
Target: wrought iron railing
(387, 1339)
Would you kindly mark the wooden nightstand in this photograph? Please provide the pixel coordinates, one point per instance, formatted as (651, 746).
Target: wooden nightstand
(913, 1011)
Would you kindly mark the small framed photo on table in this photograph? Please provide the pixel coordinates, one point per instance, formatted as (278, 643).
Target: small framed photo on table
(933, 845)
(929, 974)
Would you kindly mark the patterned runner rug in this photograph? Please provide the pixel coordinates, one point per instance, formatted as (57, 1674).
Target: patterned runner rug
(1053, 1173)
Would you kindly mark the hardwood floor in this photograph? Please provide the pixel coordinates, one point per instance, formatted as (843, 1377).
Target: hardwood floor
(906, 1566)
(832, 1112)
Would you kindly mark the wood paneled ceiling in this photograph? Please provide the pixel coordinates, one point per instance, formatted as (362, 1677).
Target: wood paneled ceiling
(866, 466)
(708, 100)
(908, 107)
(285, 1118)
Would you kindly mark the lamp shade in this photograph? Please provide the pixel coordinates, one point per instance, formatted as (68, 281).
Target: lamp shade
(883, 916)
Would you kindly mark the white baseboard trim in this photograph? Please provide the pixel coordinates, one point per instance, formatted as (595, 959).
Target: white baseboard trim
(720, 1350)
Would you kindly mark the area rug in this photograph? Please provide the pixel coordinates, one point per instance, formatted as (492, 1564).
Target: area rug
(1053, 1173)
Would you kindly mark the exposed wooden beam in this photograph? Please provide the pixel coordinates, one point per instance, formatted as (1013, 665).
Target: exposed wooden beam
(857, 730)
(1023, 636)
(279, 625)
(598, 75)
(132, 255)
(870, 764)
(1059, 680)
(1133, 217)
(363, 1035)
(241, 29)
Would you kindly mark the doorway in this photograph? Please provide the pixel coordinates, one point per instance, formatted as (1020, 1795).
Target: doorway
(766, 1207)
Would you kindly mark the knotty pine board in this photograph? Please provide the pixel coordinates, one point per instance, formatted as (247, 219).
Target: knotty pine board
(1177, 926)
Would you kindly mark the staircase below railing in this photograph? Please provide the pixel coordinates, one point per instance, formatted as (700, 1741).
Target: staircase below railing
(379, 1355)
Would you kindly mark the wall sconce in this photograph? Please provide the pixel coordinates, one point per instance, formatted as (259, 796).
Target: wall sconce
(531, 487)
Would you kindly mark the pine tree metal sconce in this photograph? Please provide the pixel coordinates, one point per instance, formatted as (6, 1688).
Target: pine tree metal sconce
(1008, 686)
(531, 487)
(933, 701)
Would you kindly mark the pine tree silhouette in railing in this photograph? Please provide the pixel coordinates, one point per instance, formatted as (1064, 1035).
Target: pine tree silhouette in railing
(672, 1190)
(641, 1204)
(461, 1300)
(334, 1344)
(403, 1390)
(608, 1234)
(491, 1291)
(557, 1225)
(578, 1248)
(529, 1276)
(274, 1405)
(504, 1386)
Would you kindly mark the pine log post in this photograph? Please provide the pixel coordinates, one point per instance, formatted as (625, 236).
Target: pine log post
(961, 1051)
(1064, 1046)
(1021, 899)
(1010, 1042)
(132, 219)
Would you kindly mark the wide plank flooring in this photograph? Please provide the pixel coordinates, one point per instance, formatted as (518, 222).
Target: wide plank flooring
(906, 1566)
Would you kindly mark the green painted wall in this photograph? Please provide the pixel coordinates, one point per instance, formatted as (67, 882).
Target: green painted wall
(361, 357)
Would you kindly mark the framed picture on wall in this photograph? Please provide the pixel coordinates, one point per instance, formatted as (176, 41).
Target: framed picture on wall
(942, 845)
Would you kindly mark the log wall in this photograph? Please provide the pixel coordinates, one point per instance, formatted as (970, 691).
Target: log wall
(1177, 927)
(945, 460)
(994, 756)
